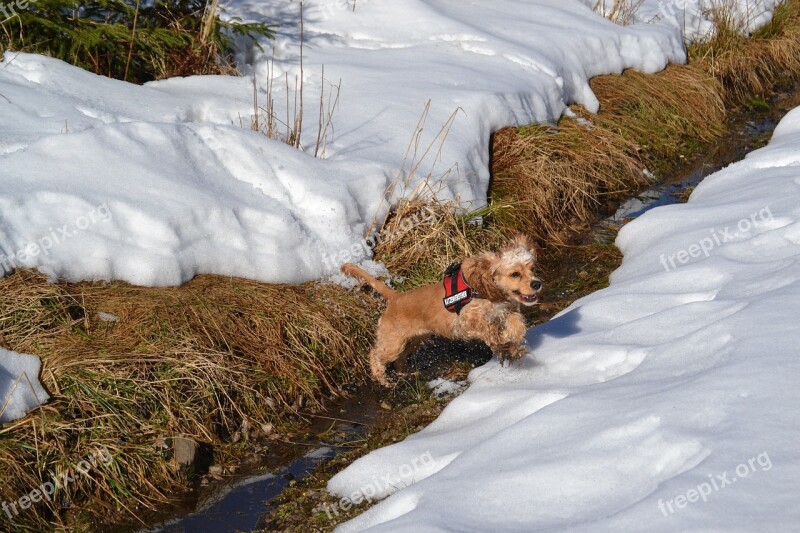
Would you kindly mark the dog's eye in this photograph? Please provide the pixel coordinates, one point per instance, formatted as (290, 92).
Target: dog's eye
(515, 274)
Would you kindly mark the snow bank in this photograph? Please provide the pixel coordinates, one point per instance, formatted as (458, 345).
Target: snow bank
(154, 184)
(666, 402)
(693, 18)
(20, 390)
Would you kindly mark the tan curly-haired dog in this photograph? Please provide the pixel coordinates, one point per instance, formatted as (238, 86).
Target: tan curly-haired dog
(480, 300)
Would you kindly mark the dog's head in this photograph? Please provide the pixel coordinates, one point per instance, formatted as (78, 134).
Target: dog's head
(506, 275)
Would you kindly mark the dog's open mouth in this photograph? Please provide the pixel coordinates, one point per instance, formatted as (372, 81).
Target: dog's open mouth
(527, 299)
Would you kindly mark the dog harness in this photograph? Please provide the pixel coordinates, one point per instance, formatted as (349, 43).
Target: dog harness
(457, 293)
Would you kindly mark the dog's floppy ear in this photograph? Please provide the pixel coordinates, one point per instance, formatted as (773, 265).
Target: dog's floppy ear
(479, 272)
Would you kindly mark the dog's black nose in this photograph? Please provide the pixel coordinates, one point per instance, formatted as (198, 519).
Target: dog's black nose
(536, 285)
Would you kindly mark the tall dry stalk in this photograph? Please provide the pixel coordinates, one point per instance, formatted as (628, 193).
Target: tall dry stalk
(133, 40)
(209, 19)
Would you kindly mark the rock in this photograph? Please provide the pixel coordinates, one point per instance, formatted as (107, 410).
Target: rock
(184, 450)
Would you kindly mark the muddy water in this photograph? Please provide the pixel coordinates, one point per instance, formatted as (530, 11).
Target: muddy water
(240, 501)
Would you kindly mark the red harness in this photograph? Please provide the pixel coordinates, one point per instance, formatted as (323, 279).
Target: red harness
(457, 293)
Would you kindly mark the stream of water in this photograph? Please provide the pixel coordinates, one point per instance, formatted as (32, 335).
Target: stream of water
(241, 501)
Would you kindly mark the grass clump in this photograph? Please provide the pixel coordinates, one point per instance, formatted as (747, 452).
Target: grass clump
(216, 360)
(664, 115)
(554, 178)
(422, 237)
(755, 65)
(128, 39)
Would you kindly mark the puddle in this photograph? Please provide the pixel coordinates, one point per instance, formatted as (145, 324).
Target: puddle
(239, 502)
(239, 505)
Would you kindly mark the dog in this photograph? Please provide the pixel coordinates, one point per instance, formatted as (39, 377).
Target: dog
(480, 298)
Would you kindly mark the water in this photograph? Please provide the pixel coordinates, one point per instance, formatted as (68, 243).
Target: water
(749, 130)
(240, 503)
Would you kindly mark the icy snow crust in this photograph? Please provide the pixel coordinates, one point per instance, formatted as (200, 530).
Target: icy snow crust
(20, 390)
(184, 187)
(637, 400)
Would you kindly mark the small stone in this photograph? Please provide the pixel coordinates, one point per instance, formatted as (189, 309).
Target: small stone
(184, 450)
(107, 317)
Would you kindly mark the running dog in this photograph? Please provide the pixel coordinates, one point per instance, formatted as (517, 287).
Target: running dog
(479, 298)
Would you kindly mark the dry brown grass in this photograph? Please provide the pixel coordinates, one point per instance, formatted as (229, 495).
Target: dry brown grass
(215, 359)
(554, 178)
(755, 66)
(421, 238)
(664, 114)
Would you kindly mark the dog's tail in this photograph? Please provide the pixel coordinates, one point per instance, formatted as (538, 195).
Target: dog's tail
(381, 288)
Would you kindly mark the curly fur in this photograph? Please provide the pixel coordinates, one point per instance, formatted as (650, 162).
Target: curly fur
(505, 280)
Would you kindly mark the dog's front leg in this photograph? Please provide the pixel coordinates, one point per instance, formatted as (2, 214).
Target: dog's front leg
(512, 336)
(500, 329)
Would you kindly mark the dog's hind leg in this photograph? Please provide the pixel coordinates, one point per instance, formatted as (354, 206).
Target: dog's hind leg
(389, 347)
(401, 363)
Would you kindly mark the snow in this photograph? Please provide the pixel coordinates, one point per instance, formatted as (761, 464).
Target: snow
(169, 180)
(442, 386)
(666, 402)
(20, 390)
(693, 18)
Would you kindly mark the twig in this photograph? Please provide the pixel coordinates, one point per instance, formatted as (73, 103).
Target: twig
(133, 39)
(326, 115)
(254, 124)
(299, 118)
(208, 21)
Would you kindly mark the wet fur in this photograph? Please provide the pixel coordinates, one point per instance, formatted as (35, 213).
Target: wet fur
(505, 281)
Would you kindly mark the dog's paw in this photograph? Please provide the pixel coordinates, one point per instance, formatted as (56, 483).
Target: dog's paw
(510, 352)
